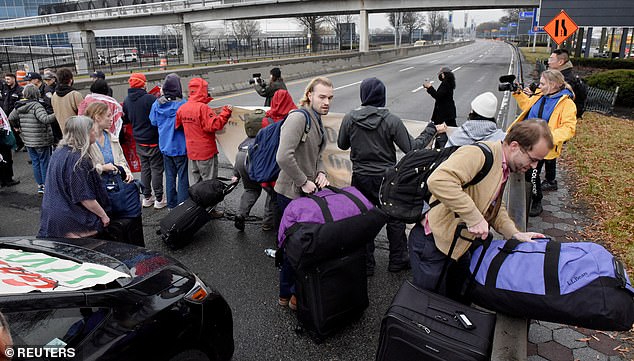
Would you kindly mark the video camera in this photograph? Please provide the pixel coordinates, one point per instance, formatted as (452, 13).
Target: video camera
(256, 78)
(507, 82)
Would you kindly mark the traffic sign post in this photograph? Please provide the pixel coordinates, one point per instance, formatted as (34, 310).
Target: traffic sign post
(561, 27)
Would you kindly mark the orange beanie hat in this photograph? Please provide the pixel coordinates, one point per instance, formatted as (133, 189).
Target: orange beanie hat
(137, 80)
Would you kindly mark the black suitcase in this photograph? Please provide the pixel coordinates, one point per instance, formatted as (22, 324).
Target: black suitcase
(332, 294)
(421, 325)
(180, 224)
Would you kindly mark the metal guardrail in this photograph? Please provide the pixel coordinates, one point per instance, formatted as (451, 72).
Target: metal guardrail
(600, 100)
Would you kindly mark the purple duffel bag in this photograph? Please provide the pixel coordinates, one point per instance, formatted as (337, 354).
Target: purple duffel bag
(576, 283)
(331, 223)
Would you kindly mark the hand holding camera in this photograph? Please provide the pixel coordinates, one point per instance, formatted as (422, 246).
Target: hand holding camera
(256, 78)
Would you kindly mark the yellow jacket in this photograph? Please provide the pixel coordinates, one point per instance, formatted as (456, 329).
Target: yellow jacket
(458, 205)
(562, 122)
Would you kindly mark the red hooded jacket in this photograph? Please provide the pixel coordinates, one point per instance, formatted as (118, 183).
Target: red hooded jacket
(281, 105)
(199, 122)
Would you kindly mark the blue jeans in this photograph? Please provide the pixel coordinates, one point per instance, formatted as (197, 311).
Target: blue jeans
(40, 157)
(176, 167)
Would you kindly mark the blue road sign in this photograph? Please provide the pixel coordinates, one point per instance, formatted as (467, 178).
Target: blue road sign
(502, 28)
(513, 25)
(526, 14)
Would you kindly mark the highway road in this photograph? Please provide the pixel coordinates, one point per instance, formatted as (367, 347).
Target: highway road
(477, 68)
(234, 262)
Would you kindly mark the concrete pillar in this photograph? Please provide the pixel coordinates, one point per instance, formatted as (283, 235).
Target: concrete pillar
(579, 44)
(623, 43)
(87, 59)
(586, 54)
(188, 44)
(364, 32)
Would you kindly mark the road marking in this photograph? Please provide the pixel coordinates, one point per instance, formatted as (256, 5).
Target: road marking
(472, 60)
(433, 61)
(456, 69)
(347, 85)
(481, 55)
(411, 67)
(421, 87)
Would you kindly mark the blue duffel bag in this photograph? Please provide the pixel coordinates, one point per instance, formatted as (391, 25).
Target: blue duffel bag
(578, 283)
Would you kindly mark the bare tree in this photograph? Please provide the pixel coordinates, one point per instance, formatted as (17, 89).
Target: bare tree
(312, 25)
(334, 21)
(245, 29)
(413, 21)
(436, 22)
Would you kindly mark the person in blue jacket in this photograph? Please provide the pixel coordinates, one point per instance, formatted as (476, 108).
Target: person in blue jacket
(171, 140)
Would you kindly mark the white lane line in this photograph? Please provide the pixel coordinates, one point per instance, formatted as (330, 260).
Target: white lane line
(472, 60)
(433, 61)
(411, 67)
(480, 55)
(456, 69)
(421, 87)
(347, 85)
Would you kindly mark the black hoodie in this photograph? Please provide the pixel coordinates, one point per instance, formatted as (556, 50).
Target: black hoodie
(136, 108)
(372, 131)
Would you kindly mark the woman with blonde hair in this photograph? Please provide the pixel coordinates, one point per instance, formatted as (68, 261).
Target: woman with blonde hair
(554, 103)
(126, 224)
(74, 201)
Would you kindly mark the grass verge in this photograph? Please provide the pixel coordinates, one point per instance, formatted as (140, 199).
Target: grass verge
(602, 157)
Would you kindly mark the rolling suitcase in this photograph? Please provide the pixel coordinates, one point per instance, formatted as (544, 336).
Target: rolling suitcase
(331, 294)
(421, 325)
(180, 224)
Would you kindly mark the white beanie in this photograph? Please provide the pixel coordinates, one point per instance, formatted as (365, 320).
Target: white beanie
(485, 104)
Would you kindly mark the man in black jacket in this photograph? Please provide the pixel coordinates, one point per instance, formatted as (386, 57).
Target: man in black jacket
(136, 108)
(559, 59)
(267, 91)
(371, 131)
(11, 93)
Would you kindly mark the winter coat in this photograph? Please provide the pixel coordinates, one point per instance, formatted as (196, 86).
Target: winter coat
(9, 96)
(200, 122)
(136, 108)
(371, 132)
(444, 107)
(562, 121)
(267, 91)
(163, 116)
(31, 117)
(475, 130)
(65, 103)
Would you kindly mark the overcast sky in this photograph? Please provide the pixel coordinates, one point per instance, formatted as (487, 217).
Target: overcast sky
(375, 20)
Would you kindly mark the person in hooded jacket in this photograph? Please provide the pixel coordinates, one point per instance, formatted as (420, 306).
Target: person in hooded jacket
(201, 123)
(66, 99)
(444, 107)
(99, 93)
(552, 102)
(172, 140)
(281, 104)
(480, 125)
(371, 131)
(29, 115)
(136, 108)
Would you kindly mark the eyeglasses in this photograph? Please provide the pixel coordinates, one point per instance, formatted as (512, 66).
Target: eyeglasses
(530, 157)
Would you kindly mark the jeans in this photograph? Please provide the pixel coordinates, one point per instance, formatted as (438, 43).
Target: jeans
(287, 273)
(176, 167)
(40, 157)
(428, 261)
(151, 170)
(369, 186)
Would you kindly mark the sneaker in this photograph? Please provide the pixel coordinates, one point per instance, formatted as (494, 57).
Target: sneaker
(40, 189)
(160, 204)
(282, 301)
(549, 186)
(216, 214)
(398, 267)
(148, 202)
(239, 223)
(267, 227)
(292, 304)
(536, 209)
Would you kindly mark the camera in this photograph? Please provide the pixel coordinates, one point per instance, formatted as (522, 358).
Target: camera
(533, 86)
(507, 82)
(256, 78)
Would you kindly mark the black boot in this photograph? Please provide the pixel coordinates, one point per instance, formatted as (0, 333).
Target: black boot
(536, 209)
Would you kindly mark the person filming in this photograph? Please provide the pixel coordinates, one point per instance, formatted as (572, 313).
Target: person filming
(268, 90)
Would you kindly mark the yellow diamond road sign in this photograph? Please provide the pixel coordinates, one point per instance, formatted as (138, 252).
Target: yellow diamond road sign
(561, 27)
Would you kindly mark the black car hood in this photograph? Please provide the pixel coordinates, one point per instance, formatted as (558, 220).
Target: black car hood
(135, 261)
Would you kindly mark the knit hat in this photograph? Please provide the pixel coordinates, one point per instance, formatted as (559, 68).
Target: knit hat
(485, 104)
(172, 87)
(100, 87)
(137, 80)
(444, 69)
(372, 92)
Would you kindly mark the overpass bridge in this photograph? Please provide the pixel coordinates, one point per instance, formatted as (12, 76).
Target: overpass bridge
(192, 11)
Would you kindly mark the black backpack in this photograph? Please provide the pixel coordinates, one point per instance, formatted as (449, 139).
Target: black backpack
(404, 194)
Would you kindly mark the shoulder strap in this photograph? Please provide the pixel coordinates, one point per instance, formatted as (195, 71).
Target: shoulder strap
(496, 262)
(486, 168)
(551, 268)
(323, 205)
(352, 197)
(307, 116)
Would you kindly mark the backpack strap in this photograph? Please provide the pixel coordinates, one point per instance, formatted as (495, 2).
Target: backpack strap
(307, 125)
(486, 168)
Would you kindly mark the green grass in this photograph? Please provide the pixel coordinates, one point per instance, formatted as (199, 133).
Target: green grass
(540, 53)
(602, 158)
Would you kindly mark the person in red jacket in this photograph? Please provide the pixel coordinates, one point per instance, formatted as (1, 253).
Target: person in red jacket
(200, 124)
(281, 105)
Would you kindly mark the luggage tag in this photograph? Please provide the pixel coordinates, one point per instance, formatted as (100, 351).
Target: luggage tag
(619, 272)
(464, 320)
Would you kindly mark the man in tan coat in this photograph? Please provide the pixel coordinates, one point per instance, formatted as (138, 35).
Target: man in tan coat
(478, 206)
(66, 99)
